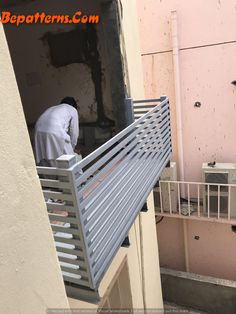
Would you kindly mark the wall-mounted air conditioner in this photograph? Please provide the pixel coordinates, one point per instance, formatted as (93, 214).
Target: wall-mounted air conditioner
(221, 173)
(168, 174)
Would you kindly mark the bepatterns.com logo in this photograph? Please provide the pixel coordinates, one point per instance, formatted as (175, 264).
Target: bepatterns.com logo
(43, 18)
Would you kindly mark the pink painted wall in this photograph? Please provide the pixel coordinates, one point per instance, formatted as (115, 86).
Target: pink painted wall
(170, 244)
(207, 42)
(213, 254)
(207, 67)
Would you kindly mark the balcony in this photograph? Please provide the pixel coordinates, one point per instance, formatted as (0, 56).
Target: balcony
(92, 204)
(197, 200)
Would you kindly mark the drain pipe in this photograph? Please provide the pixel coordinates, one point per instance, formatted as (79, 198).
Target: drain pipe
(175, 48)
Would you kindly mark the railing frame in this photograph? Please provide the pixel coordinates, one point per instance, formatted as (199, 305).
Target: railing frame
(215, 216)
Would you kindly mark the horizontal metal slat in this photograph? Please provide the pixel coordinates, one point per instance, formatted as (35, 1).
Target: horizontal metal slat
(54, 184)
(50, 171)
(65, 229)
(60, 207)
(75, 279)
(71, 240)
(116, 200)
(123, 162)
(131, 137)
(76, 271)
(75, 252)
(116, 138)
(128, 190)
(57, 195)
(99, 267)
(116, 179)
(119, 157)
(71, 259)
(121, 213)
(61, 218)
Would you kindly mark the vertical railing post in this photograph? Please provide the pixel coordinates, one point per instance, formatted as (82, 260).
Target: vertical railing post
(208, 200)
(169, 194)
(161, 204)
(198, 200)
(129, 111)
(179, 205)
(218, 202)
(66, 162)
(229, 203)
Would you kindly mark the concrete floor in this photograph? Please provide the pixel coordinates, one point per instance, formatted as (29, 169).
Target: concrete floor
(174, 308)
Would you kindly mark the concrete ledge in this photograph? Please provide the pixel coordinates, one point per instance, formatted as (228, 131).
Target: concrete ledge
(208, 294)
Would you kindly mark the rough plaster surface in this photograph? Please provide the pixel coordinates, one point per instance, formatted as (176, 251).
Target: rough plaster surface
(40, 83)
(208, 294)
(207, 45)
(30, 276)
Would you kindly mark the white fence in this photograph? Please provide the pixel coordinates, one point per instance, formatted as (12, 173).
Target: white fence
(196, 200)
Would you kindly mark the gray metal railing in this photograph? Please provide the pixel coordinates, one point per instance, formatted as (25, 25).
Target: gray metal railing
(93, 203)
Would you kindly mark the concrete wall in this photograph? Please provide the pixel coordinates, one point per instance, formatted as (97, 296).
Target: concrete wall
(31, 279)
(40, 83)
(207, 46)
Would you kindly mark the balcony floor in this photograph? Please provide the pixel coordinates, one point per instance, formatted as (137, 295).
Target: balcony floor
(174, 308)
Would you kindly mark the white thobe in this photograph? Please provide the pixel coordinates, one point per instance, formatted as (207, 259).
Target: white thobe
(56, 133)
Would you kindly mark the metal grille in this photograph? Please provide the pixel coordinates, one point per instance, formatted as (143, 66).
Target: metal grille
(93, 203)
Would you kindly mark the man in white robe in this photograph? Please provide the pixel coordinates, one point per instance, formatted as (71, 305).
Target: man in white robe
(56, 132)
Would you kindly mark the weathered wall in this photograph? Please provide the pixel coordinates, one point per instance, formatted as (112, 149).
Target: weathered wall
(212, 254)
(40, 83)
(30, 276)
(207, 46)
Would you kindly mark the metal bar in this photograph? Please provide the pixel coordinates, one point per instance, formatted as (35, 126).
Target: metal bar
(198, 200)
(122, 159)
(113, 193)
(131, 137)
(229, 203)
(76, 271)
(161, 197)
(189, 210)
(119, 136)
(169, 194)
(61, 218)
(60, 207)
(179, 199)
(211, 219)
(116, 178)
(62, 239)
(71, 259)
(218, 201)
(64, 229)
(75, 279)
(146, 101)
(116, 200)
(200, 183)
(208, 200)
(136, 202)
(54, 184)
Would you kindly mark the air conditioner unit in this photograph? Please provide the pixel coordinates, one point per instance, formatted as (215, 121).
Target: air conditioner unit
(168, 174)
(222, 173)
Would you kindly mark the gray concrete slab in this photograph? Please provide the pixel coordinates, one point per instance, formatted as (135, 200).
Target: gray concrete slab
(206, 294)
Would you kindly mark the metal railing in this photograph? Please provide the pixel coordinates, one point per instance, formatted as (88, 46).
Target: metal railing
(93, 203)
(197, 200)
